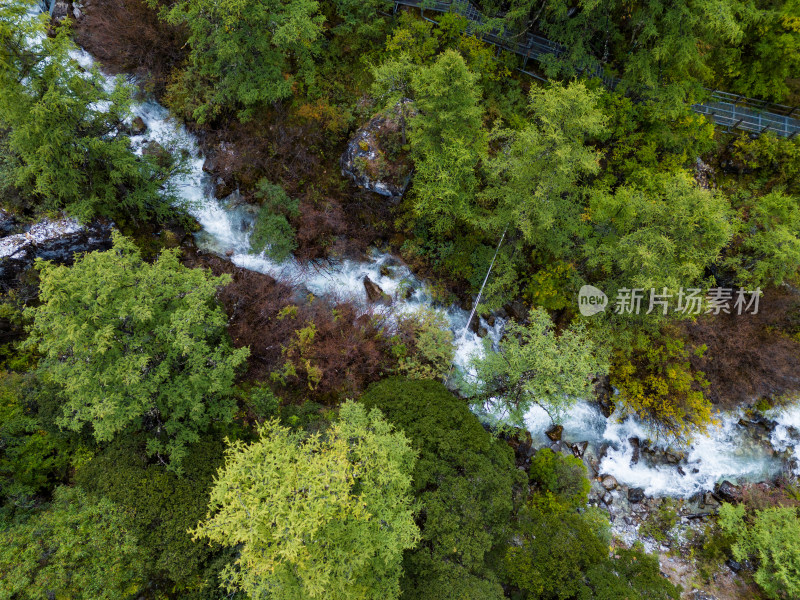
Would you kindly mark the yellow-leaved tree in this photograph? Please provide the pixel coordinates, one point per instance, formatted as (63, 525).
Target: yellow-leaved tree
(323, 516)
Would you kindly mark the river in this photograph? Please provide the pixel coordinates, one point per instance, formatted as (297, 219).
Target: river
(727, 451)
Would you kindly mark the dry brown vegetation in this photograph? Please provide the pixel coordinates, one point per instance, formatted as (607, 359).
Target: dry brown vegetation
(127, 36)
(751, 356)
(348, 350)
(301, 155)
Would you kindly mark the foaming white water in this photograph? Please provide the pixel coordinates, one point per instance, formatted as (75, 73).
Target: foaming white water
(786, 435)
(726, 451)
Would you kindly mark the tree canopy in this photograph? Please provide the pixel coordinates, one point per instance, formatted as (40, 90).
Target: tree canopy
(244, 54)
(68, 146)
(463, 481)
(535, 366)
(76, 548)
(322, 516)
(135, 345)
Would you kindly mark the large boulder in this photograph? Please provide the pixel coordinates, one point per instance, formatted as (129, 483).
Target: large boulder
(50, 239)
(60, 10)
(728, 492)
(554, 433)
(635, 495)
(375, 157)
(221, 162)
(374, 292)
(609, 482)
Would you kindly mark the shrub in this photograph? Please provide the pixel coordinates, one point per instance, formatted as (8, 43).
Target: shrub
(660, 522)
(424, 345)
(272, 232)
(127, 36)
(657, 383)
(771, 537)
(349, 348)
(562, 476)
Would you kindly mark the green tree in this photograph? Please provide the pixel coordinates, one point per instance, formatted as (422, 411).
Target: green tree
(768, 247)
(272, 232)
(323, 516)
(76, 548)
(66, 141)
(244, 54)
(659, 48)
(767, 56)
(392, 84)
(562, 554)
(533, 365)
(558, 547)
(447, 142)
(134, 344)
(163, 507)
(535, 179)
(772, 537)
(660, 235)
(30, 456)
(464, 481)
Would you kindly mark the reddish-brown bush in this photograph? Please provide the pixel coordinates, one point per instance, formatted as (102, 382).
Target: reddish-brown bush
(302, 156)
(127, 36)
(348, 350)
(750, 356)
(758, 496)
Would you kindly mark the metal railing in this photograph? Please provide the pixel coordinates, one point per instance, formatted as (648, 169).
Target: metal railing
(727, 110)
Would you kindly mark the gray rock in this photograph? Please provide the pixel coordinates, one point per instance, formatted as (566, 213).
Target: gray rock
(608, 482)
(7, 222)
(635, 495)
(728, 492)
(703, 174)
(604, 394)
(364, 160)
(637, 451)
(59, 11)
(50, 239)
(579, 449)
(374, 292)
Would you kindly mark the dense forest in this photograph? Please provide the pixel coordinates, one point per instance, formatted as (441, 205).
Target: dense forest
(357, 300)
